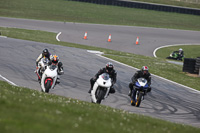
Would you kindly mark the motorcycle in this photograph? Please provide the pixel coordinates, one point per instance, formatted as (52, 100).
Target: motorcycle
(49, 78)
(141, 88)
(175, 55)
(101, 88)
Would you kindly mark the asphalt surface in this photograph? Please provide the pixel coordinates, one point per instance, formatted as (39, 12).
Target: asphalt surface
(123, 37)
(167, 101)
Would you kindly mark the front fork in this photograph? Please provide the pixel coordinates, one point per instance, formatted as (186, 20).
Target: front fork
(136, 94)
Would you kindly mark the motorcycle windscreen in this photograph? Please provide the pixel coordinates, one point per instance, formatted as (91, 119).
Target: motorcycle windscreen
(144, 87)
(52, 67)
(105, 76)
(143, 82)
(45, 61)
(137, 84)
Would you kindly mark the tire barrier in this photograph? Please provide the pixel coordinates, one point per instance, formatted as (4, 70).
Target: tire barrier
(197, 65)
(189, 65)
(144, 5)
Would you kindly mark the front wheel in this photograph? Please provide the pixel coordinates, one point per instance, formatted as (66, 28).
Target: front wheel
(47, 86)
(100, 93)
(138, 99)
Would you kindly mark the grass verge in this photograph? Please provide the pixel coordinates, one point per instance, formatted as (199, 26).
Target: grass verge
(71, 11)
(190, 51)
(31, 111)
(157, 66)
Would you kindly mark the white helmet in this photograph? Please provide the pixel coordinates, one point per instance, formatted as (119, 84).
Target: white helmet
(145, 69)
(180, 49)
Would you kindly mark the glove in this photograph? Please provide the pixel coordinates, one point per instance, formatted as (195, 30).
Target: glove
(149, 89)
(94, 78)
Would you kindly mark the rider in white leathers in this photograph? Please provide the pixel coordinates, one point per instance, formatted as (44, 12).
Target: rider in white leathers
(45, 53)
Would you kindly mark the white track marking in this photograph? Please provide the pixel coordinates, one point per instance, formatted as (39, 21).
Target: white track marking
(3, 36)
(8, 81)
(58, 36)
(95, 52)
(151, 74)
(154, 52)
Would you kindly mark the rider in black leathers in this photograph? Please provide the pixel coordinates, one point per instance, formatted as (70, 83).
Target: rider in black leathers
(143, 73)
(112, 73)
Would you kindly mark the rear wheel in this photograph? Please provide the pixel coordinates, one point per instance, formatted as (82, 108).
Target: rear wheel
(47, 86)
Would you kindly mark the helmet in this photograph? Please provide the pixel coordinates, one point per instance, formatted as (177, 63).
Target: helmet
(45, 52)
(180, 49)
(145, 69)
(55, 59)
(109, 66)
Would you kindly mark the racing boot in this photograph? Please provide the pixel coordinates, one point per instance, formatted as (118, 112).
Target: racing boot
(92, 81)
(130, 89)
(112, 90)
(90, 90)
(149, 89)
(39, 80)
(58, 80)
(129, 93)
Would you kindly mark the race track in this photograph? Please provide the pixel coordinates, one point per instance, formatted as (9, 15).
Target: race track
(123, 37)
(166, 101)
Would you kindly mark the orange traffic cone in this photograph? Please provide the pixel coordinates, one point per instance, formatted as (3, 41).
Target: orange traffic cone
(85, 36)
(137, 41)
(109, 38)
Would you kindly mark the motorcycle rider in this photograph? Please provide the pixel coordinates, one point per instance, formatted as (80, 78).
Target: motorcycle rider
(54, 60)
(109, 69)
(180, 54)
(143, 73)
(45, 53)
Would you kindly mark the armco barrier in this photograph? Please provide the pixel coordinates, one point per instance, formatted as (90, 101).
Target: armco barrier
(144, 5)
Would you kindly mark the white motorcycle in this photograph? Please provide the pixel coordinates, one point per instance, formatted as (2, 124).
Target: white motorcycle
(101, 88)
(49, 78)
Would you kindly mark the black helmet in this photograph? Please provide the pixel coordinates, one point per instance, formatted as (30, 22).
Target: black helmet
(45, 52)
(109, 66)
(145, 69)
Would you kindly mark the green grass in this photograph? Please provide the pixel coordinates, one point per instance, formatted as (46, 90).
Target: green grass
(31, 111)
(157, 66)
(190, 51)
(62, 10)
